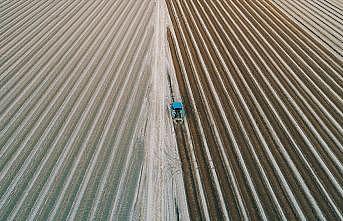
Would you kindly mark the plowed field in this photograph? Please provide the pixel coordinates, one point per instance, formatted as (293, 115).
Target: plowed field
(264, 104)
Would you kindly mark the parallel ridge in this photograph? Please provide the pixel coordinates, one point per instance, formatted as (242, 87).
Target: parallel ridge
(74, 79)
(264, 106)
(322, 19)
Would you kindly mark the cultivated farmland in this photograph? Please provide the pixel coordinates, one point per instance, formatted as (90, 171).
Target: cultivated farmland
(264, 101)
(82, 117)
(85, 129)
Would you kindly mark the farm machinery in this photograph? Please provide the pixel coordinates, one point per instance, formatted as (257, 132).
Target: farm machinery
(177, 111)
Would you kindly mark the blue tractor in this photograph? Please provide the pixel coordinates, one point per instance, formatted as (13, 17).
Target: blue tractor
(177, 111)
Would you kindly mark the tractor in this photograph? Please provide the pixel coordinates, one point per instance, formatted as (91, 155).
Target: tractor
(177, 111)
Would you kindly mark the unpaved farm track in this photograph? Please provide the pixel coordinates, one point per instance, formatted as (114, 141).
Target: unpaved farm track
(264, 102)
(74, 77)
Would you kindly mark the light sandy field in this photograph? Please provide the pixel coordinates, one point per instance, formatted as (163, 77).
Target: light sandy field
(84, 126)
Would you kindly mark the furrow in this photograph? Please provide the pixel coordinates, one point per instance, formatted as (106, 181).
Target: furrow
(267, 96)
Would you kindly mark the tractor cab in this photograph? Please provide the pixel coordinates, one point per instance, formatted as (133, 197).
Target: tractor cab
(177, 110)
